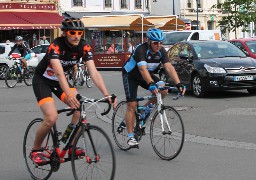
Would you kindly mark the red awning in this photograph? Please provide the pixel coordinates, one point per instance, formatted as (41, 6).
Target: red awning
(29, 20)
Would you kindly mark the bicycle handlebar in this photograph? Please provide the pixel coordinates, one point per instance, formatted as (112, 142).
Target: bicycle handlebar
(83, 99)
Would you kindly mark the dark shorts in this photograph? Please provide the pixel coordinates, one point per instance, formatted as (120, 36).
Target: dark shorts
(44, 87)
(131, 85)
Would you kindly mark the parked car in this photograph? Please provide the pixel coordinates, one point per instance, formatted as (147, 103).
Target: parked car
(40, 50)
(172, 37)
(248, 45)
(5, 48)
(212, 65)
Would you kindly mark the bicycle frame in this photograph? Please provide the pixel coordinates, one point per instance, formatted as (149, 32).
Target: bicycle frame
(82, 123)
(158, 107)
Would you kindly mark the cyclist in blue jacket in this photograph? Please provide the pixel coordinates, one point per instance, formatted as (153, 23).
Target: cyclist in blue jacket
(138, 71)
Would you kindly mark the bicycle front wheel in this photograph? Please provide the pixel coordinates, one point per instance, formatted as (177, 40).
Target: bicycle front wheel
(119, 129)
(167, 142)
(11, 77)
(43, 171)
(28, 75)
(98, 160)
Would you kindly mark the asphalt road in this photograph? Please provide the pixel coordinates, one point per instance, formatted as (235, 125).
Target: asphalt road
(220, 137)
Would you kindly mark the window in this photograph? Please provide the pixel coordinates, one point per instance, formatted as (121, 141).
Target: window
(189, 4)
(2, 49)
(147, 4)
(123, 4)
(199, 3)
(138, 4)
(108, 3)
(78, 2)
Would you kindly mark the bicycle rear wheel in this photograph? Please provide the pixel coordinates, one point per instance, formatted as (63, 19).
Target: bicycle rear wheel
(119, 130)
(99, 160)
(28, 75)
(167, 144)
(11, 77)
(88, 79)
(43, 171)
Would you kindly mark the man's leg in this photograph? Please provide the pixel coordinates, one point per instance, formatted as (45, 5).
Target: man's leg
(50, 116)
(130, 120)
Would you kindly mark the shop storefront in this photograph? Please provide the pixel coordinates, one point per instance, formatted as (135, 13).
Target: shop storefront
(32, 21)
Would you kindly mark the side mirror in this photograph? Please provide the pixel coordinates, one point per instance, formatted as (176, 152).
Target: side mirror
(184, 56)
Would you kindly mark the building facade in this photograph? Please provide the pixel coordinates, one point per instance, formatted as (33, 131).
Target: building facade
(31, 19)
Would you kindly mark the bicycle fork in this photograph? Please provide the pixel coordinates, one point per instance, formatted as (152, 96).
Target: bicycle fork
(162, 114)
(84, 128)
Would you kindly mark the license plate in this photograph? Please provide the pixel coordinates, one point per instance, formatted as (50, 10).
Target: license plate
(243, 78)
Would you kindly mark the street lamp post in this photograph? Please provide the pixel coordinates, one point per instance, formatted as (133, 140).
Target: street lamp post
(197, 24)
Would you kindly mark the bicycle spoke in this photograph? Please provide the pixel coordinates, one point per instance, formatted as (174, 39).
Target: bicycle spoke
(94, 166)
(36, 171)
(167, 136)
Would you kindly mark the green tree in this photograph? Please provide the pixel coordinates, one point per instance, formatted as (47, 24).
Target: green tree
(240, 13)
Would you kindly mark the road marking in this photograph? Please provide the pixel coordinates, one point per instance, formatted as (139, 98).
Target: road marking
(219, 142)
(238, 112)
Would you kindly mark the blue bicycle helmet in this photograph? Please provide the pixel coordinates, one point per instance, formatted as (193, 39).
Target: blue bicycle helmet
(155, 34)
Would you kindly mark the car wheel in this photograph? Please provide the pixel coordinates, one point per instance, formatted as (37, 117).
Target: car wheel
(251, 91)
(198, 87)
(3, 69)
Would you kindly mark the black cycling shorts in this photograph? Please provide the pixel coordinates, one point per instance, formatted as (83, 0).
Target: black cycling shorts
(44, 87)
(131, 85)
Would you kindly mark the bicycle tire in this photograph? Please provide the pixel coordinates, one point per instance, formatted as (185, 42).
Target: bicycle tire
(11, 77)
(36, 172)
(100, 166)
(119, 132)
(88, 79)
(28, 75)
(167, 146)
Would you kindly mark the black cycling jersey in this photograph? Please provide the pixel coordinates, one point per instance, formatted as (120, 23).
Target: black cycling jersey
(132, 77)
(143, 56)
(67, 54)
(22, 49)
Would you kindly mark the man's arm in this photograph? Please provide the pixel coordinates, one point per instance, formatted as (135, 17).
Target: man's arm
(145, 74)
(58, 70)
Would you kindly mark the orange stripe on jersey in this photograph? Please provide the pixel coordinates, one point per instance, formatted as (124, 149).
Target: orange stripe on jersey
(45, 100)
(55, 48)
(63, 95)
(87, 48)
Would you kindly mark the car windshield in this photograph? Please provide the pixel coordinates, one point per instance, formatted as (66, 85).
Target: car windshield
(217, 49)
(172, 38)
(252, 46)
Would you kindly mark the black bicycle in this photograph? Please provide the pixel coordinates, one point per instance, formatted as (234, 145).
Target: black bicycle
(14, 74)
(98, 162)
(166, 128)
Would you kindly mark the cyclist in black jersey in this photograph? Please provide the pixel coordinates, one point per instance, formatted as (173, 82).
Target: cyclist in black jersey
(138, 70)
(49, 77)
(21, 47)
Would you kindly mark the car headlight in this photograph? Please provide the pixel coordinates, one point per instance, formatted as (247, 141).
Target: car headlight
(211, 69)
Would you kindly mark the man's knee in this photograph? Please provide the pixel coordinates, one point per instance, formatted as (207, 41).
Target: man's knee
(131, 106)
(50, 120)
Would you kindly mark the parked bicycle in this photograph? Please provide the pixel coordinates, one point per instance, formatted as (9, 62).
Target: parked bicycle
(14, 73)
(166, 128)
(82, 76)
(98, 161)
